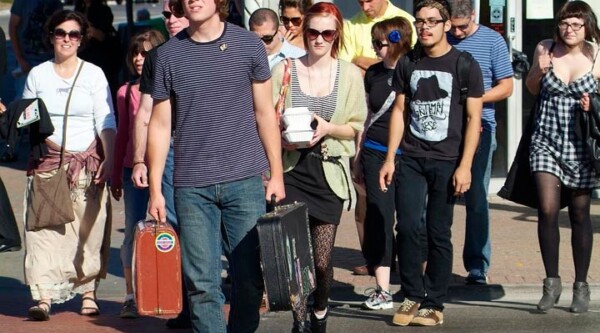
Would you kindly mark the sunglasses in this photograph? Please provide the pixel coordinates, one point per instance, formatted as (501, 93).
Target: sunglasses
(268, 38)
(379, 44)
(167, 15)
(143, 53)
(461, 27)
(61, 34)
(296, 21)
(328, 35)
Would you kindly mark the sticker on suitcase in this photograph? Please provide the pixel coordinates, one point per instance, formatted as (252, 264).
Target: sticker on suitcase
(165, 242)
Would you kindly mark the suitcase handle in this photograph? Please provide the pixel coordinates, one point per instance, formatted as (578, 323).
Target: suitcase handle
(272, 205)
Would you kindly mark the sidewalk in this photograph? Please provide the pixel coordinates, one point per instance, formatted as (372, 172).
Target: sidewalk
(516, 271)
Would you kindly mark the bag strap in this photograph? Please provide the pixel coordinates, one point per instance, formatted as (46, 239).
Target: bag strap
(463, 67)
(65, 117)
(386, 105)
(287, 73)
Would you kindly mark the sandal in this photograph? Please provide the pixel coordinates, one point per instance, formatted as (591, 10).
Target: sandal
(39, 312)
(94, 309)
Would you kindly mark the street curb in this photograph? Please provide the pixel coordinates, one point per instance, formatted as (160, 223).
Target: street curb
(471, 293)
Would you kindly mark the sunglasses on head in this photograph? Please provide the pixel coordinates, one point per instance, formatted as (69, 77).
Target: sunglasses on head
(167, 15)
(61, 34)
(268, 38)
(295, 20)
(328, 35)
(379, 44)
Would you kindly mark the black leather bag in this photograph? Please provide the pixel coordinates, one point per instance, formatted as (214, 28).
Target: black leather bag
(588, 129)
(519, 186)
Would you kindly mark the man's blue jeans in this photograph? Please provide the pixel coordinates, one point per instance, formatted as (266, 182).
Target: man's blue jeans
(213, 219)
(477, 250)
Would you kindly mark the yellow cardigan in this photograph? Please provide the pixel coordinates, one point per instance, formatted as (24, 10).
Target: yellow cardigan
(351, 109)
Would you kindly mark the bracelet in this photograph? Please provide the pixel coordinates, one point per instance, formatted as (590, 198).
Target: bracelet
(139, 162)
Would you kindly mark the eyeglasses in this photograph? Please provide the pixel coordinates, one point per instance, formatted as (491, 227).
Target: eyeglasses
(461, 27)
(430, 22)
(573, 26)
(328, 35)
(268, 38)
(296, 21)
(167, 15)
(61, 34)
(377, 44)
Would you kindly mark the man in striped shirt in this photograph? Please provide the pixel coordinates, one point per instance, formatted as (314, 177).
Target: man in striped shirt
(489, 49)
(225, 137)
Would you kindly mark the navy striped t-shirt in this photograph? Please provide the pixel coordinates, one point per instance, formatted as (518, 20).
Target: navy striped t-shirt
(489, 49)
(216, 138)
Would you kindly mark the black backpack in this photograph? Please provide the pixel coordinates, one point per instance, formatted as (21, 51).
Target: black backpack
(463, 67)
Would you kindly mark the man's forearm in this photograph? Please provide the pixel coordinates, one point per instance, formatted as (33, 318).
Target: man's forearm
(472, 131)
(140, 128)
(158, 144)
(364, 62)
(501, 91)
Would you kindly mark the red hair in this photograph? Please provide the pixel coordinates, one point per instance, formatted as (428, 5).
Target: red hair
(321, 9)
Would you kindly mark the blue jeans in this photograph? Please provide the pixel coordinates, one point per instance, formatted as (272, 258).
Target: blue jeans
(168, 189)
(477, 250)
(212, 219)
(422, 177)
(136, 206)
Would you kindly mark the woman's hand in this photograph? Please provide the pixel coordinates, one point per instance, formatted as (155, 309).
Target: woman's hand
(323, 129)
(585, 102)
(104, 171)
(2, 108)
(286, 145)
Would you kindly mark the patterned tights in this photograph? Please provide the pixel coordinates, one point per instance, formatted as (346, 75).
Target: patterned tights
(323, 240)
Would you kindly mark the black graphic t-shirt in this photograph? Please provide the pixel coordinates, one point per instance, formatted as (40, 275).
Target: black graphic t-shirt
(437, 119)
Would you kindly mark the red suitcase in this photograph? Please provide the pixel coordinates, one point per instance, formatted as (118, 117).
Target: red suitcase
(157, 269)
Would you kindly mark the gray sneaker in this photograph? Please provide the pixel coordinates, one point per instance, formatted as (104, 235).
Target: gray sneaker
(379, 300)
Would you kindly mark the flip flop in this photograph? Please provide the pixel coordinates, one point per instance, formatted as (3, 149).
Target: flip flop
(95, 310)
(39, 313)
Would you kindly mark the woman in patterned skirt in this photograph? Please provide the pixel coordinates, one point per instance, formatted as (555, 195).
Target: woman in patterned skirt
(563, 73)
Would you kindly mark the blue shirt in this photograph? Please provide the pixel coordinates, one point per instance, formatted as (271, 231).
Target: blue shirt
(489, 49)
(287, 50)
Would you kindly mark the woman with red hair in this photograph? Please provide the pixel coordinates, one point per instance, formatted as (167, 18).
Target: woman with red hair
(317, 173)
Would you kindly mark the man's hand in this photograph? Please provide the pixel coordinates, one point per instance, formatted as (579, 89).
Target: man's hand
(139, 176)
(275, 187)
(156, 208)
(461, 180)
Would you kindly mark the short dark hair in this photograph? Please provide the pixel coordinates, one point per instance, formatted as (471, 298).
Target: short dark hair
(138, 43)
(461, 8)
(262, 15)
(382, 29)
(582, 10)
(441, 5)
(63, 16)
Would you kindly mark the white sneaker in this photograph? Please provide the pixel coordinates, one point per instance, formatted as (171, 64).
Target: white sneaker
(379, 300)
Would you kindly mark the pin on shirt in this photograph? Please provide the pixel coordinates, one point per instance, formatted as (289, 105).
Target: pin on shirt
(223, 47)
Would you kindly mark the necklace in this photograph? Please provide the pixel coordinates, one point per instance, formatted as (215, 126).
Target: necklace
(312, 92)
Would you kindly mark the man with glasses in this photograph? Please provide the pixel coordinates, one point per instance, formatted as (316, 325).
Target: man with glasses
(437, 152)
(265, 24)
(139, 174)
(490, 50)
(357, 31)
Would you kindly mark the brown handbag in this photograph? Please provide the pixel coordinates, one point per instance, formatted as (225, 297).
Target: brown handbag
(50, 203)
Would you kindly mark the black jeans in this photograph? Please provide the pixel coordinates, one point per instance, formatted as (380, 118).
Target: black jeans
(420, 177)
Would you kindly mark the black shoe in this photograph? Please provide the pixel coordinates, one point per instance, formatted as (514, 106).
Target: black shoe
(181, 321)
(9, 246)
(318, 325)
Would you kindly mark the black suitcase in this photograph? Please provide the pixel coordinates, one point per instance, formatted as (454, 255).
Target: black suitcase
(286, 256)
